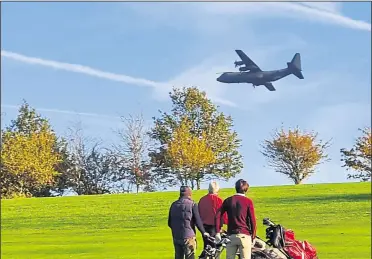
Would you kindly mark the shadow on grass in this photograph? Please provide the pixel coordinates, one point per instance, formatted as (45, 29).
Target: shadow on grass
(359, 197)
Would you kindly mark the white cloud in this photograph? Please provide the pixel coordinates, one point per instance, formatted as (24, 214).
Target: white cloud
(320, 15)
(318, 12)
(159, 87)
(79, 69)
(66, 112)
(214, 15)
(269, 8)
(204, 76)
(334, 7)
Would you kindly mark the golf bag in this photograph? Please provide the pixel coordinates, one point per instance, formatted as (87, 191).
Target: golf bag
(280, 244)
(216, 248)
(258, 250)
(283, 243)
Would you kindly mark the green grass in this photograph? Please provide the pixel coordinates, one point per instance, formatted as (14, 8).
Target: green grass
(335, 218)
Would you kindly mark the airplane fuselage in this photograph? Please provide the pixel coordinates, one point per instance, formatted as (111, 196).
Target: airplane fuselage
(255, 78)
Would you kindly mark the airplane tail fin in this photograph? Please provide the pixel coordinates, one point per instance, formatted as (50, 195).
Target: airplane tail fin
(295, 66)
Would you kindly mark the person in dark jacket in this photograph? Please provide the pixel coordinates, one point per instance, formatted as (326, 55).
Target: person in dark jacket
(183, 216)
(241, 226)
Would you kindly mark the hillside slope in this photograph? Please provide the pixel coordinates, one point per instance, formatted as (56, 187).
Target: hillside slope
(336, 218)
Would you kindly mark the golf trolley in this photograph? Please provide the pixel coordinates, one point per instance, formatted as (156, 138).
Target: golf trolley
(280, 244)
(211, 252)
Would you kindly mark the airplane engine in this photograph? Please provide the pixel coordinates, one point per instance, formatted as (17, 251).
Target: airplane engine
(241, 69)
(238, 63)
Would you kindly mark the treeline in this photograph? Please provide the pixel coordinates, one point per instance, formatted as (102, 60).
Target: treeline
(191, 143)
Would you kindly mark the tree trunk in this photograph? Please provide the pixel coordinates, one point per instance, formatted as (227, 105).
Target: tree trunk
(192, 184)
(137, 187)
(184, 181)
(198, 184)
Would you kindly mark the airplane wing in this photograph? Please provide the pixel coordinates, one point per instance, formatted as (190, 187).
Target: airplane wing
(247, 61)
(269, 86)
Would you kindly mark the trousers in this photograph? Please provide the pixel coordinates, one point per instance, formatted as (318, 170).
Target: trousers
(185, 249)
(240, 242)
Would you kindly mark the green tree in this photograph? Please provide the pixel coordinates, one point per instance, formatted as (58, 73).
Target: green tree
(29, 156)
(295, 153)
(359, 157)
(193, 105)
(28, 121)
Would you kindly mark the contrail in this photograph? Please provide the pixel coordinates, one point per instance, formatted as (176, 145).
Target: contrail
(80, 69)
(328, 16)
(97, 73)
(313, 11)
(66, 112)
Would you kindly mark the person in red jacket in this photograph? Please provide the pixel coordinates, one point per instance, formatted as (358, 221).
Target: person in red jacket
(241, 226)
(208, 206)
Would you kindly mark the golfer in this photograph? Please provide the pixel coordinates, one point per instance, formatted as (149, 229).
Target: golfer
(208, 206)
(241, 226)
(183, 216)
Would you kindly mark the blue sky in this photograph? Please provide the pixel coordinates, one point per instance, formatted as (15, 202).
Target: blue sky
(95, 61)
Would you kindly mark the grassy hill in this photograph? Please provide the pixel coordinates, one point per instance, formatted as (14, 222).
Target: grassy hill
(336, 218)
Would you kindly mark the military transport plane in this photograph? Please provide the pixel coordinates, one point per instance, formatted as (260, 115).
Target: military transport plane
(256, 76)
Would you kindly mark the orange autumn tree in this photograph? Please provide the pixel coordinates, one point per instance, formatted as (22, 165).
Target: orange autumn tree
(295, 153)
(189, 154)
(359, 157)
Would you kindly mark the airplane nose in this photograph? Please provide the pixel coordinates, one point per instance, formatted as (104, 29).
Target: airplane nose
(219, 78)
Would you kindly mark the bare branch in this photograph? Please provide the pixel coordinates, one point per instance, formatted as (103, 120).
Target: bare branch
(132, 150)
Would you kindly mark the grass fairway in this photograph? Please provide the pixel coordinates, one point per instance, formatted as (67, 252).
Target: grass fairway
(336, 218)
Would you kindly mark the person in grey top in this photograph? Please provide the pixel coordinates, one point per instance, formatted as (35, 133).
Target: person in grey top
(183, 216)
